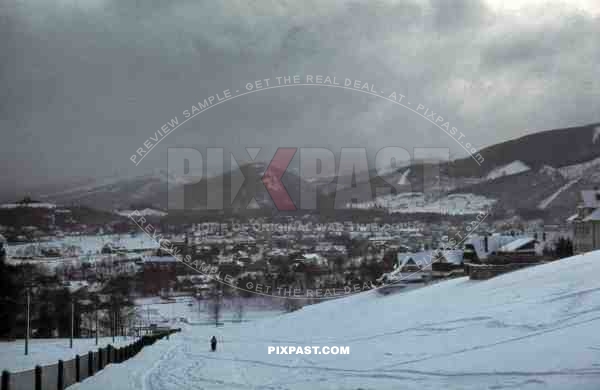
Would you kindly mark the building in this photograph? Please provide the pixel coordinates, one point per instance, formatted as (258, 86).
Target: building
(586, 223)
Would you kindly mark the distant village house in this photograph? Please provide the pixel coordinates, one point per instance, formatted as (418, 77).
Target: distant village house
(586, 223)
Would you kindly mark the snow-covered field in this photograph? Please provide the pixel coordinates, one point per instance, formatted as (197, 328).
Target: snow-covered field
(532, 329)
(85, 245)
(187, 310)
(49, 351)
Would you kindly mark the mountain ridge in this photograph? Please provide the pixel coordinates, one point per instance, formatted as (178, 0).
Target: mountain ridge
(539, 174)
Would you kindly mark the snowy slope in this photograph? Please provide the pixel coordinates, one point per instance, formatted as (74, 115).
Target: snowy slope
(415, 202)
(513, 168)
(532, 329)
(576, 171)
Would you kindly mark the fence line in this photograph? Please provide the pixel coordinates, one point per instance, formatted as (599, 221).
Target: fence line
(66, 373)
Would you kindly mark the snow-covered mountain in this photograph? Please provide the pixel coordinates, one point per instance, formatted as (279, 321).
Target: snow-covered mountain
(536, 328)
(536, 176)
(240, 189)
(149, 191)
(557, 148)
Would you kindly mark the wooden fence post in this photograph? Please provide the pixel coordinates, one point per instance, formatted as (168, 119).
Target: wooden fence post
(100, 359)
(5, 380)
(38, 378)
(60, 381)
(90, 363)
(77, 369)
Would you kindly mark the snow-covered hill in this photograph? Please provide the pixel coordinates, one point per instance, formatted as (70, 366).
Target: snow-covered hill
(532, 329)
(118, 193)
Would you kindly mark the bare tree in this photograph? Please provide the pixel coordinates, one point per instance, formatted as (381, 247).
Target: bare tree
(291, 305)
(216, 302)
(239, 310)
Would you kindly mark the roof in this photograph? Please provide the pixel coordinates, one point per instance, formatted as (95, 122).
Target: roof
(454, 256)
(314, 258)
(422, 259)
(594, 216)
(75, 285)
(495, 242)
(516, 244)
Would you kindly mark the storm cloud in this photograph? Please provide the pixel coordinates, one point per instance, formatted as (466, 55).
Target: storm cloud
(85, 83)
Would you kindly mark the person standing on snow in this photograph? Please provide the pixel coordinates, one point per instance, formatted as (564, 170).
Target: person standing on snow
(213, 344)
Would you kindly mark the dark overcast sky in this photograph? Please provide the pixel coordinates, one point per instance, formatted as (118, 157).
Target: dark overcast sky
(85, 83)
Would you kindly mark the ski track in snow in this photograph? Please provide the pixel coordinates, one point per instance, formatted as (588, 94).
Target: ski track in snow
(546, 202)
(164, 373)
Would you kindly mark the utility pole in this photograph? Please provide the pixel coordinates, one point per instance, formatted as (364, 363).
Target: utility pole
(28, 319)
(173, 312)
(72, 323)
(28, 283)
(96, 325)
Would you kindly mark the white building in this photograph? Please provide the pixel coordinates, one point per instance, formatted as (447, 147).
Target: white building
(586, 223)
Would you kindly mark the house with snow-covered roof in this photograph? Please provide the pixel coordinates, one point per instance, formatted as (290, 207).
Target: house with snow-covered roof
(415, 261)
(586, 223)
(484, 246)
(522, 245)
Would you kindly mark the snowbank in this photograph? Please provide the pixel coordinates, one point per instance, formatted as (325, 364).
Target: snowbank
(49, 351)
